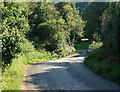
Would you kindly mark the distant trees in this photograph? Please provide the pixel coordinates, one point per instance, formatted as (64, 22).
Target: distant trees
(102, 23)
(51, 26)
(91, 13)
(81, 6)
(106, 58)
(56, 25)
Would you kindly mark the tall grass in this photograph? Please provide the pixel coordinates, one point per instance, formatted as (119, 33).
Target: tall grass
(13, 75)
(106, 65)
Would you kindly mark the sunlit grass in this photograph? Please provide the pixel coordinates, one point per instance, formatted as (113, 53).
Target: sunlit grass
(13, 75)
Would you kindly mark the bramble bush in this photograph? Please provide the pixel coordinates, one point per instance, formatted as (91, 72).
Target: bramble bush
(14, 26)
(10, 46)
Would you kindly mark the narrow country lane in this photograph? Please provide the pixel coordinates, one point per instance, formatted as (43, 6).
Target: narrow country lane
(68, 73)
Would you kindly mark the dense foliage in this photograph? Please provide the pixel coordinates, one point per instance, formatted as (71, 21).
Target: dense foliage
(40, 31)
(53, 27)
(14, 25)
(91, 13)
(56, 26)
(81, 6)
(104, 61)
(110, 28)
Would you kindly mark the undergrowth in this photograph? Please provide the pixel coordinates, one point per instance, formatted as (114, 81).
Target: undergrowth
(83, 45)
(13, 74)
(105, 64)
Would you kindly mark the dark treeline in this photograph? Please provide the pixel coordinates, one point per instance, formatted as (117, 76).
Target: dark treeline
(56, 26)
(91, 13)
(102, 25)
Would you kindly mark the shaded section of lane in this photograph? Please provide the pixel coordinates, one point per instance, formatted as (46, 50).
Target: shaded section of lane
(51, 78)
(68, 73)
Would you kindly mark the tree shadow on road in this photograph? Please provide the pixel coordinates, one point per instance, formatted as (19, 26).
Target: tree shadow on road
(47, 78)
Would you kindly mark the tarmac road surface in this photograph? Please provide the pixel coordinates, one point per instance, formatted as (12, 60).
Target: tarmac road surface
(67, 73)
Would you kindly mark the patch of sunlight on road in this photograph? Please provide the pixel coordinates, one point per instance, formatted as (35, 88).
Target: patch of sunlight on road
(48, 68)
(55, 67)
(71, 59)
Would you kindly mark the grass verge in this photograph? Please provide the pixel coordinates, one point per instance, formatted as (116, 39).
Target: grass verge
(104, 64)
(13, 75)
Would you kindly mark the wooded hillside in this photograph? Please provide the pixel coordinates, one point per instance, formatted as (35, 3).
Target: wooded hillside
(38, 31)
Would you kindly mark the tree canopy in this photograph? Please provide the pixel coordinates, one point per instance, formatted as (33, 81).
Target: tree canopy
(50, 26)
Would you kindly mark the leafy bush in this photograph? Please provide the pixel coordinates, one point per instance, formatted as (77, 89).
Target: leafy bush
(14, 25)
(10, 47)
(54, 55)
(26, 46)
(95, 45)
(67, 50)
(13, 75)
